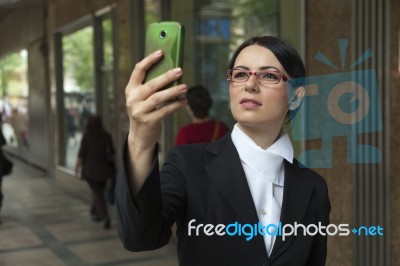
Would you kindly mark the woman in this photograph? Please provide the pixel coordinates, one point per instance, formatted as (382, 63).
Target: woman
(203, 128)
(221, 194)
(96, 160)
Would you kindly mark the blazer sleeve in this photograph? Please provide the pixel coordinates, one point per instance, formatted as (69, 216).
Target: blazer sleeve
(146, 219)
(318, 251)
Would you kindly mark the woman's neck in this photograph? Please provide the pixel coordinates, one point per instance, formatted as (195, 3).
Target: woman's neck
(263, 137)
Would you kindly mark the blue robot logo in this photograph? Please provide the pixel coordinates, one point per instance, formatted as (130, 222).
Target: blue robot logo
(339, 104)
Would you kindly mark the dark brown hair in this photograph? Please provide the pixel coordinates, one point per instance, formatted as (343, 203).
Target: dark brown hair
(283, 51)
(94, 124)
(199, 101)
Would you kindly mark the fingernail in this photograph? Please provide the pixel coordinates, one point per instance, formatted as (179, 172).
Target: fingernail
(177, 70)
(158, 52)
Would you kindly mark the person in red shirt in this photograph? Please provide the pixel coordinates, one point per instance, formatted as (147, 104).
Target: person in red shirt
(203, 128)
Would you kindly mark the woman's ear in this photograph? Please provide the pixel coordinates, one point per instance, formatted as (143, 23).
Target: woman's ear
(297, 98)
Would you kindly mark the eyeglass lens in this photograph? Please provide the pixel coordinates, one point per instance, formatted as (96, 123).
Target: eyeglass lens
(264, 77)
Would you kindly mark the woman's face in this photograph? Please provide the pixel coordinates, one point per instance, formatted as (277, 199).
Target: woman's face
(254, 104)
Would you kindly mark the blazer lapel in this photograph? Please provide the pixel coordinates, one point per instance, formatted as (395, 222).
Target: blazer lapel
(227, 173)
(296, 197)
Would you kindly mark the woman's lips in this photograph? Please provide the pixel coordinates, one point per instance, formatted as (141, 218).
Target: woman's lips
(250, 103)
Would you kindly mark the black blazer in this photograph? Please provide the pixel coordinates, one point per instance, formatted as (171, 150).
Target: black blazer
(206, 182)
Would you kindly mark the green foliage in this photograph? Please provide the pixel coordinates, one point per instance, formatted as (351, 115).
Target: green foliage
(13, 74)
(152, 11)
(254, 18)
(78, 58)
(108, 42)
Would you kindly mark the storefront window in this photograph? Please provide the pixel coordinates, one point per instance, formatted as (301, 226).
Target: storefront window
(108, 112)
(79, 92)
(221, 27)
(85, 65)
(152, 11)
(213, 31)
(14, 99)
(254, 18)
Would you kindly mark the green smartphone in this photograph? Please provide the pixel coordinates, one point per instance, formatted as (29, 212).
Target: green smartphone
(167, 36)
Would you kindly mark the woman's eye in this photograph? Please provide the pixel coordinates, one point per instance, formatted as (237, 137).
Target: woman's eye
(240, 74)
(269, 75)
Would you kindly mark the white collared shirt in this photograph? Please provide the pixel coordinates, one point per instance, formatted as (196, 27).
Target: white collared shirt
(263, 167)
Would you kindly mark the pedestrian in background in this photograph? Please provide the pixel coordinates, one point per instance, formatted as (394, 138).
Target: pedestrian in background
(2, 142)
(5, 164)
(202, 129)
(96, 163)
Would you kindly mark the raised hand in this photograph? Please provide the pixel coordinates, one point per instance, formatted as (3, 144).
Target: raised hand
(147, 105)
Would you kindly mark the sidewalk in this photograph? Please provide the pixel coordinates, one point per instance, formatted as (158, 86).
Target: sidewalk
(45, 222)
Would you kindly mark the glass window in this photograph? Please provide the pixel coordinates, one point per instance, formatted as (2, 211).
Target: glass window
(222, 27)
(14, 98)
(85, 65)
(108, 112)
(214, 29)
(152, 11)
(78, 90)
(254, 18)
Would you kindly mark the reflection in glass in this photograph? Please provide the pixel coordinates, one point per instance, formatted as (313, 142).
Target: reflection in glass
(14, 99)
(79, 91)
(222, 26)
(107, 78)
(152, 11)
(213, 40)
(253, 18)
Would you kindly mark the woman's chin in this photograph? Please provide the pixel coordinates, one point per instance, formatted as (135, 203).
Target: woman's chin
(250, 119)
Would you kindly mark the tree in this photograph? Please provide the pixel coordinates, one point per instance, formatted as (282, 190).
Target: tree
(254, 18)
(13, 73)
(78, 58)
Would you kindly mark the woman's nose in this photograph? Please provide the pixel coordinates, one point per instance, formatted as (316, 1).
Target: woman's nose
(251, 84)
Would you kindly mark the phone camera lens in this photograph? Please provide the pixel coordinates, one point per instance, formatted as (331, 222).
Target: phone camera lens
(163, 34)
